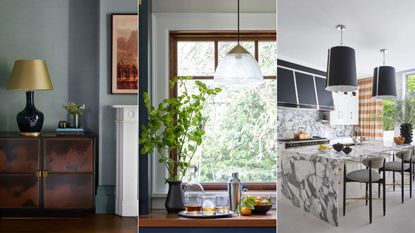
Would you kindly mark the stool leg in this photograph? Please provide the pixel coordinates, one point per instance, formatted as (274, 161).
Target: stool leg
(366, 192)
(379, 190)
(413, 167)
(384, 196)
(402, 186)
(393, 178)
(370, 202)
(344, 197)
(384, 189)
(410, 182)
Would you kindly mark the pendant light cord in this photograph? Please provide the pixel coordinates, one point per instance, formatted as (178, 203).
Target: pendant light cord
(341, 28)
(238, 21)
(383, 51)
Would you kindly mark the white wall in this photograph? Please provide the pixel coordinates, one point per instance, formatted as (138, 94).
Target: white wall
(162, 24)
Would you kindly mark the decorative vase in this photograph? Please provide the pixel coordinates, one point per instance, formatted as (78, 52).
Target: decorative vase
(175, 200)
(73, 120)
(406, 132)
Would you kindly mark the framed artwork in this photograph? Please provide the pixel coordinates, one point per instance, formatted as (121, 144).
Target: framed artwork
(124, 54)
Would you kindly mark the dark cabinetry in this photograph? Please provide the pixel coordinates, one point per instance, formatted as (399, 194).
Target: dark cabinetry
(300, 86)
(286, 89)
(306, 90)
(46, 173)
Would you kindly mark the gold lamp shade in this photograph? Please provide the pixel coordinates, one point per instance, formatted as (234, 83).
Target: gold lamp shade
(29, 75)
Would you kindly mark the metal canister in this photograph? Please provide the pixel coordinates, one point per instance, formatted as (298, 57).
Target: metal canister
(235, 191)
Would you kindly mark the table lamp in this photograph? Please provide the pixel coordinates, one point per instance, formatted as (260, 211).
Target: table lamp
(30, 75)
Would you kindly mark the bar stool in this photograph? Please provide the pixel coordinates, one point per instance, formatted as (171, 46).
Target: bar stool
(368, 176)
(402, 166)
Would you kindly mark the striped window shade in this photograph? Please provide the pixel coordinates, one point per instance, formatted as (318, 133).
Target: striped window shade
(370, 111)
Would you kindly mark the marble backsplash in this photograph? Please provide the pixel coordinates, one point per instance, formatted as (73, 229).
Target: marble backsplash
(291, 119)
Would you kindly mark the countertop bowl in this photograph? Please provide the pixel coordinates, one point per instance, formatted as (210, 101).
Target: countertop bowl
(261, 209)
(338, 147)
(347, 150)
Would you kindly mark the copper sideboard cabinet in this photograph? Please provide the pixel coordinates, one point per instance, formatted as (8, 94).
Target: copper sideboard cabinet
(46, 175)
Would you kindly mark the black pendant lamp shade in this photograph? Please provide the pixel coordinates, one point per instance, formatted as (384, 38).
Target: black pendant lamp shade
(384, 82)
(341, 67)
(341, 70)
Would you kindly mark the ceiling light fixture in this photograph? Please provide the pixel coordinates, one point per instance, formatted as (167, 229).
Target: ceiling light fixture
(238, 68)
(384, 80)
(341, 67)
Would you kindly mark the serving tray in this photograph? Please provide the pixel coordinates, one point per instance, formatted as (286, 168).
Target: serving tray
(184, 214)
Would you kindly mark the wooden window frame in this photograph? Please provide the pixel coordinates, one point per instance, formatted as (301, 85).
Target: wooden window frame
(216, 37)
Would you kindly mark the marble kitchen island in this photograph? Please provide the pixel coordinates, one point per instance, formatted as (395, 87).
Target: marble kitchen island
(312, 180)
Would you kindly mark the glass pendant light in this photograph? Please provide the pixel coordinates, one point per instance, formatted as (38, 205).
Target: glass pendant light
(238, 68)
(341, 67)
(384, 80)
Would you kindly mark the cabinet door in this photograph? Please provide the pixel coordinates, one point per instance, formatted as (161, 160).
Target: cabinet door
(19, 155)
(337, 117)
(354, 106)
(286, 94)
(68, 191)
(19, 191)
(19, 161)
(69, 181)
(69, 155)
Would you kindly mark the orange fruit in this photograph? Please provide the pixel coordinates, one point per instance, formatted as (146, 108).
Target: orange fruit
(245, 211)
(258, 202)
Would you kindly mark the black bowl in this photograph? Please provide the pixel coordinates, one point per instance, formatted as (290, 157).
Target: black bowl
(347, 150)
(338, 147)
(261, 209)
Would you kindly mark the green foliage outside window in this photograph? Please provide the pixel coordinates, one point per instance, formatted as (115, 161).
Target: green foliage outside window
(389, 114)
(393, 110)
(240, 135)
(411, 83)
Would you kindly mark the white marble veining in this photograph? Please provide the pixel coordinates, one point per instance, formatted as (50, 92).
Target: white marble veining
(291, 119)
(310, 179)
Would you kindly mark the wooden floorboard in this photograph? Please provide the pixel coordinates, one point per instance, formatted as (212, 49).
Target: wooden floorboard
(87, 224)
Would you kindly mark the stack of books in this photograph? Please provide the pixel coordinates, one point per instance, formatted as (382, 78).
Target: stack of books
(69, 131)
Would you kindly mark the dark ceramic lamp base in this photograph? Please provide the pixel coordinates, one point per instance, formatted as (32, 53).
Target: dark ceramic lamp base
(30, 120)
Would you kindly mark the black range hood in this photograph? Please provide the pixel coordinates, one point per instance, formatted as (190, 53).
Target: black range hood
(303, 87)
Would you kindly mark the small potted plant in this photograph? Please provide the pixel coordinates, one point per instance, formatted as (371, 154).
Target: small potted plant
(74, 114)
(174, 131)
(405, 110)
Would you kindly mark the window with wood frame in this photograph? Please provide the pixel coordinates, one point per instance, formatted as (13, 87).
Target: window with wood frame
(242, 123)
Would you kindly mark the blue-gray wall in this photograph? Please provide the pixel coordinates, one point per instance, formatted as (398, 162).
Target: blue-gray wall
(74, 37)
(106, 100)
(34, 29)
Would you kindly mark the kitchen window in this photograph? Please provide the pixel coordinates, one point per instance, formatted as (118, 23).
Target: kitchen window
(242, 127)
(390, 123)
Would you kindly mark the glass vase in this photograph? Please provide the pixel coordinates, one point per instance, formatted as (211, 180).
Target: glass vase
(73, 120)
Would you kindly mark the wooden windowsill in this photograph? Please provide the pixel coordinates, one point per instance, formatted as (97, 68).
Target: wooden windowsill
(162, 219)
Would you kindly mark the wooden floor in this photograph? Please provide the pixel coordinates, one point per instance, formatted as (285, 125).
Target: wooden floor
(89, 224)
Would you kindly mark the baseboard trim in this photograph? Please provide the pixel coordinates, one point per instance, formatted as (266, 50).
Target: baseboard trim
(105, 199)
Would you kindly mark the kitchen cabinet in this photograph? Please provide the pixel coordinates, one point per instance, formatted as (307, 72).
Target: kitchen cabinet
(346, 109)
(286, 88)
(303, 87)
(306, 90)
(325, 98)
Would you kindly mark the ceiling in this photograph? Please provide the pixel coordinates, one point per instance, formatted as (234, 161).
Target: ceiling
(306, 30)
(214, 6)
